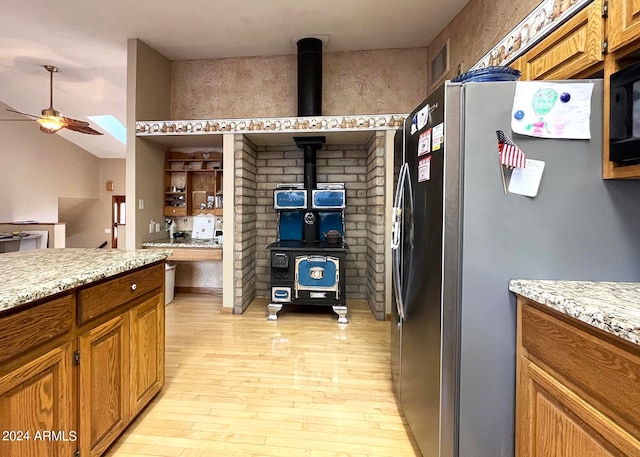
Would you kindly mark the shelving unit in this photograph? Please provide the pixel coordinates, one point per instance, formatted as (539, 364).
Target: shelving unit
(193, 183)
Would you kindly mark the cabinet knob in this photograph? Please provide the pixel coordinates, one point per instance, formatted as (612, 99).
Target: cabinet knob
(134, 286)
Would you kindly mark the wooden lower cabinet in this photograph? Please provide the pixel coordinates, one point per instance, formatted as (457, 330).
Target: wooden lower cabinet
(36, 400)
(561, 424)
(121, 369)
(562, 411)
(104, 385)
(76, 384)
(146, 352)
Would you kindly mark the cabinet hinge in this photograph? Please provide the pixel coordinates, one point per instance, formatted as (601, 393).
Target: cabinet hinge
(76, 361)
(605, 46)
(605, 9)
(76, 454)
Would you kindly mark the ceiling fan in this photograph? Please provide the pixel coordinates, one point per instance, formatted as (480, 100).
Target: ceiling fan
(51, 121)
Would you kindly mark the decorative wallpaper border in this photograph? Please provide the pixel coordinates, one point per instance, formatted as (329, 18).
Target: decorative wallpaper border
(545, 18)
(275, 124)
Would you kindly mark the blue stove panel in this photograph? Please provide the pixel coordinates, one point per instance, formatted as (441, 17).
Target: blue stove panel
(290, 199)
(290, 227)
(330, 220)
(328, 272)
(328, 199)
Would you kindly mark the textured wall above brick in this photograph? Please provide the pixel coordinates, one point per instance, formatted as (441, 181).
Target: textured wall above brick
(361, 82)
(477, 28)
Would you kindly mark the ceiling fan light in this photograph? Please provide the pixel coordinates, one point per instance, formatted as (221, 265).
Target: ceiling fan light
(51, 123)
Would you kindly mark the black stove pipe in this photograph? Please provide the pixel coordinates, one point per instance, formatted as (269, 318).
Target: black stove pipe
(310, 180)
(310, 104)
(309, 77)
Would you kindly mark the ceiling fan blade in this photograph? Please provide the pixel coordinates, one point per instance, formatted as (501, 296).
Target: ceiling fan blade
(70, 121)
(24, 114)
(13, 120)
(82, 129)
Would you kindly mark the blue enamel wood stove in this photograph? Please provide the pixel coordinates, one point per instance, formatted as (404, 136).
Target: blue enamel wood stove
(308, 271)
(306, 268)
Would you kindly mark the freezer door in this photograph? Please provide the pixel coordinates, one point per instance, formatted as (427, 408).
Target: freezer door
(396, 321)
(401, 254)
(421, 330)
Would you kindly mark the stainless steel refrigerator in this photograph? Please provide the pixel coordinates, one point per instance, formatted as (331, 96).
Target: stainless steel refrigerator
(458, 240)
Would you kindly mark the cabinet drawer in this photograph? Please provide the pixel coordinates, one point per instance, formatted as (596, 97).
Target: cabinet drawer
(96, 300)
(174, 210)
(27, 329)
(606, 375)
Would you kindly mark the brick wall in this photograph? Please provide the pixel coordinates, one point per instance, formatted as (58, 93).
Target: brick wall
(245, 223)
(335, 163)
(376, 224)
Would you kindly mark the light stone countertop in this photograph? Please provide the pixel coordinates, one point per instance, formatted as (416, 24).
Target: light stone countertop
(610, 306)
(29, 236)
(206, 244)
(26, 276)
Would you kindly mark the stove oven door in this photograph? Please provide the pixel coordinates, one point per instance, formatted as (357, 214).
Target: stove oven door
(317, 274)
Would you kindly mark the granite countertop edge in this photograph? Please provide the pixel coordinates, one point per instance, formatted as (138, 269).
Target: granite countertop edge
(179, 245)
(610, 306)
(37, 274)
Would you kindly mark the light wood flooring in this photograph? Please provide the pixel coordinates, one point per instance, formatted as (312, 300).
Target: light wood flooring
(244, 386)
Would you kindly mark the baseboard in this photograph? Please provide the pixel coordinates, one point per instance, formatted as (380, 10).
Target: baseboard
(200, 290)
(388, 318)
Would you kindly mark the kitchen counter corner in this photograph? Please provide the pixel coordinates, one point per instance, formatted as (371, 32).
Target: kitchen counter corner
(609, 306)
(31, 275)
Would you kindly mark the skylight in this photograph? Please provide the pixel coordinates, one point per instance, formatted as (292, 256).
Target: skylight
(112, 126)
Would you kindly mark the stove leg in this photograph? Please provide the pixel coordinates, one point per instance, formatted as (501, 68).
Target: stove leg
(273, 311)
(341, 311)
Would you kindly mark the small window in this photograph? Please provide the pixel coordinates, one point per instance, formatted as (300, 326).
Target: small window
(439, 66)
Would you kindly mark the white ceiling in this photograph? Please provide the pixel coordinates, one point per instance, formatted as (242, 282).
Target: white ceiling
(87, 41)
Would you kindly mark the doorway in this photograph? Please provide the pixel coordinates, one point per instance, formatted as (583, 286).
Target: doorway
(118, 217)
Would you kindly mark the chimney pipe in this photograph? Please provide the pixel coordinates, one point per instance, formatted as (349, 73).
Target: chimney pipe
(310, 104)
(309, 77)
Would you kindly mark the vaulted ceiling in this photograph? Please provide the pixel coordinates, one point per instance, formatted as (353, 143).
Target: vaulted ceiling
(88, 42)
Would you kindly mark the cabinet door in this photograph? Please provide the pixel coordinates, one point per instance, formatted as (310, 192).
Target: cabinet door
(519, 64)
(104, 384)
(37, 398)
(570, 50)
(553, 421)
(146, 352)
(624, 22)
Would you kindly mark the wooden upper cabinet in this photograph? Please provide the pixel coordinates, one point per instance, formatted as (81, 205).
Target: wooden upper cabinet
(38, 397)
(624, 23)
(192, 184)
(571, 50)
(518, 64)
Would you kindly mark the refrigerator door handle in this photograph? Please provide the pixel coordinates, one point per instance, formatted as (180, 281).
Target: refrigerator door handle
(396, 237)
(397, 210)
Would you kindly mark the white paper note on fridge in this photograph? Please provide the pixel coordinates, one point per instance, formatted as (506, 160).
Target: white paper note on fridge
(526, 181)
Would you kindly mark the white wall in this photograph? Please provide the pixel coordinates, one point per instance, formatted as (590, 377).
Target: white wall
(38, 169)
(148, 91)
(49, 179)
(88, 229)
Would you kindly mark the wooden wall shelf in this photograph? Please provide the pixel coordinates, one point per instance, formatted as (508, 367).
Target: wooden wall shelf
(192, 184)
